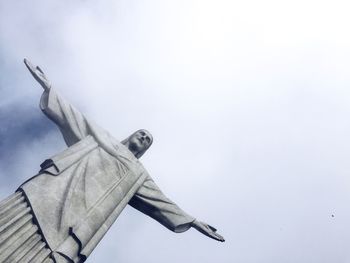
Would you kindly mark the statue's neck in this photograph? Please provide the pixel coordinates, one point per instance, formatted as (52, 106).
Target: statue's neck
(127, 145)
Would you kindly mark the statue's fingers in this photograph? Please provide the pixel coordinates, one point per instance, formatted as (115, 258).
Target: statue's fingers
(219, 237)
(212, 228)
(29, 65)
(26, 61)
(38, 68)
(213, 236)
(38, 74)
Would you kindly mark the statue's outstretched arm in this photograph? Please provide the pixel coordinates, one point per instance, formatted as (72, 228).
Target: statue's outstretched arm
(72, 124)
(150, 200)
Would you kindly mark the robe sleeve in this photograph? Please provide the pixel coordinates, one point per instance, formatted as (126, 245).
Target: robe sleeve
(150, 200)
(72, 124)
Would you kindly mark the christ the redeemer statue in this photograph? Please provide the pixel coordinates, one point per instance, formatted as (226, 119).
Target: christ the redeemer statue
(63, 212)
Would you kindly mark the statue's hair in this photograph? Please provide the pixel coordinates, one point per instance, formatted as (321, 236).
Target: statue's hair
(139, 154)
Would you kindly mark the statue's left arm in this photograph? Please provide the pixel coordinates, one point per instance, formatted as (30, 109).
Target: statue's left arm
(150, 200)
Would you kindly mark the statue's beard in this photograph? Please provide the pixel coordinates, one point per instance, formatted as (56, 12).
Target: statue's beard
(135, 147)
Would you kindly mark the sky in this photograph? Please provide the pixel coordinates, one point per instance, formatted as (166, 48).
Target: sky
(247, 101)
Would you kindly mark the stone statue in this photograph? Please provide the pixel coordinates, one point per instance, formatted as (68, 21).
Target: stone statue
(61, 214)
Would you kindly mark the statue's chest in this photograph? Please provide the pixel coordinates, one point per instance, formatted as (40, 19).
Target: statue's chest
(101, 172)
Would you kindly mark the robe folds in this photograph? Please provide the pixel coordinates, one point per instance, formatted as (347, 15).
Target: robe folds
(80, 192)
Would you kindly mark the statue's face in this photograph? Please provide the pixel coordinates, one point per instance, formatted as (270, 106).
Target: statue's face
(140, 141)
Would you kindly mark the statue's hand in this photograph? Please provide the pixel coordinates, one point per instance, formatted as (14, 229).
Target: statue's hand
(207, 230)
(38, 74)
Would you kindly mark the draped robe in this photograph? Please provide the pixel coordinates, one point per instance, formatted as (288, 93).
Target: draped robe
(80, 192)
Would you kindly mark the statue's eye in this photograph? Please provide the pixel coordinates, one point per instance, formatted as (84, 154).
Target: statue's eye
(148, 139)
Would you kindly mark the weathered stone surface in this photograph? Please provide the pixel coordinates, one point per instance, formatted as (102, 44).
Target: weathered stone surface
(20, 239)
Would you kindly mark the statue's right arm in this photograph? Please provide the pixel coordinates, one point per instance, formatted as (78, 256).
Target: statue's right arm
(72, 124)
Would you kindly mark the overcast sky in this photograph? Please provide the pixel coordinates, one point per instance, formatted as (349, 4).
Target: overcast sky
(248, 103)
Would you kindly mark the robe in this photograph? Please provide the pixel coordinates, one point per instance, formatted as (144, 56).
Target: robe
(80, 192)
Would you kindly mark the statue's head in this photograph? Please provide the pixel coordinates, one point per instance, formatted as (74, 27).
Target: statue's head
(138, 142)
